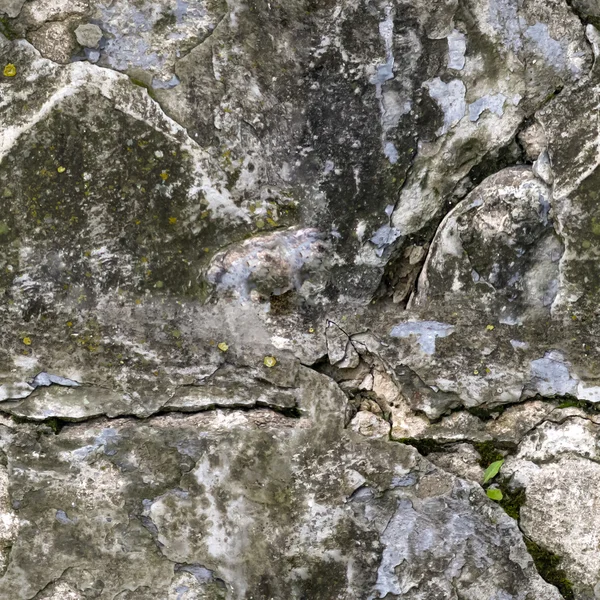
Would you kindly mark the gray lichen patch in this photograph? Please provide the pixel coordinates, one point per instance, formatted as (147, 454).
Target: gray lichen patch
(457, 46)
(450, 98)
(426, 333)
(153, 35)
(493, 103)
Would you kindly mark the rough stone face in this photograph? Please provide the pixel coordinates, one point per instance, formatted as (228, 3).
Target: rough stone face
(499, 248)
(54, 41)
(279, 281)
(252, 504)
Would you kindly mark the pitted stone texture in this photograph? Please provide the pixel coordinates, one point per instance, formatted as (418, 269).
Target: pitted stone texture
(461, 459)
(370, 425)
(235, 180)
(535, 34)
(55, 41)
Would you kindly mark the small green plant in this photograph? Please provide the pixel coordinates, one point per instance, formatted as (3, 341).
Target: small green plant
(494, 494)
(492, 471)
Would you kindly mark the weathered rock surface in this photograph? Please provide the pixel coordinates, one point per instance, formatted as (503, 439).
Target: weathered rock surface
(280, 280)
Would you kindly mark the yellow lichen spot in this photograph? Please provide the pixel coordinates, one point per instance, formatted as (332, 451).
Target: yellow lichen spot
(488, 370)
(159, 284)
(164, 175)
(138, 301)
(222, 346)
(270, 361)
(311, 330)
(271, 222)
(137, 222)
(475, 372)
(61, 169)
(172, 220)
(573, 317)
(10, 70)
(260, 223)
(27, 341)
(69, 323)
(144, 259)
(490, 328)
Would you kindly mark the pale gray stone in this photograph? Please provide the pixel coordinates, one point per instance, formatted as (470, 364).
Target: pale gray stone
(88, 35)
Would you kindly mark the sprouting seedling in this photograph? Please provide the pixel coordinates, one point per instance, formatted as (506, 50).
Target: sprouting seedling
(492, 470)
(494, 494)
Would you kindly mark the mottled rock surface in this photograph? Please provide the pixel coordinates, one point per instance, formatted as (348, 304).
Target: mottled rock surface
(279, 281)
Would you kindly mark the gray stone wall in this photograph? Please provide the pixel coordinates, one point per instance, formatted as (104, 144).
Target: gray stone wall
(299, 299)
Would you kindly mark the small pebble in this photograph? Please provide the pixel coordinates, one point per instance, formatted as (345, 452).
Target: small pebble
(88, 35)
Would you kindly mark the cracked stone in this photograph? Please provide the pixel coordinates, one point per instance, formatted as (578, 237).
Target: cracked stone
(396, 200)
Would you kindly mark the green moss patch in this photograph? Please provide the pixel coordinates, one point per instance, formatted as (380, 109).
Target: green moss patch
(548, 566)
(512, 499)
(488, 453)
